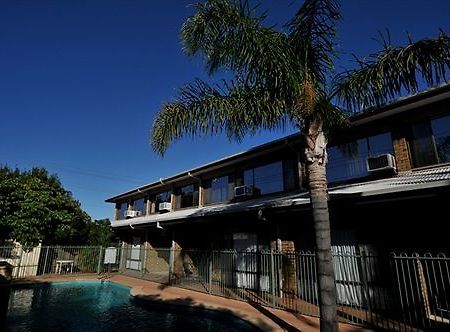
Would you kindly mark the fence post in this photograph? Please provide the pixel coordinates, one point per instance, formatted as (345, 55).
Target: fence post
(171, 262)
(144, 259)
(210, 269)
(272, 277)
(99, 259)
(122, 259)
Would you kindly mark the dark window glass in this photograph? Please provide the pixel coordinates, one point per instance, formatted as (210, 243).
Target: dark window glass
(218, 189)
(123, 208)
(161, 198)
(421, 145)
(349, 161)
(139, 205)
(380, 144)
(187, 196)
(290, 174)
(441, 132)
(265, 179)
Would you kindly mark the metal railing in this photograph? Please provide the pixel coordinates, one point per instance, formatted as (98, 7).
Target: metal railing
(404, 292)
(30, 262)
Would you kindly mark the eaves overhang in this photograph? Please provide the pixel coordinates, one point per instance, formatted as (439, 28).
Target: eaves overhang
(215, 210)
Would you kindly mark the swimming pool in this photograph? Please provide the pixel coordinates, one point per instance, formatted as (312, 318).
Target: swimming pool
(104, 306)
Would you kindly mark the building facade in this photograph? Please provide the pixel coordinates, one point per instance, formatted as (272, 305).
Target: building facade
(389, 182)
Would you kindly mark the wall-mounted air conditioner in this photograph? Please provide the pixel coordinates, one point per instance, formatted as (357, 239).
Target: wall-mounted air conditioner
(165, 206)
(384, 162)
(243, 191)
(132, 213)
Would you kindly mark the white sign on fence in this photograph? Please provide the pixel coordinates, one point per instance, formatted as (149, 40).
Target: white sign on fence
(110, 255)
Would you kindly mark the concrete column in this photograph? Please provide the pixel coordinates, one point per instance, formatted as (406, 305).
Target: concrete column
(201, 196)
(173, 200)
(148, 206)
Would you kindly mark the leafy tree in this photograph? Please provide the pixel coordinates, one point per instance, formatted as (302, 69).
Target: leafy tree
(100, 233)
(34, 207)
(287, 76)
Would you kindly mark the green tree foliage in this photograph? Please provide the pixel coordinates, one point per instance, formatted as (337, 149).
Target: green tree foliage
(34, 207)
(100, 233)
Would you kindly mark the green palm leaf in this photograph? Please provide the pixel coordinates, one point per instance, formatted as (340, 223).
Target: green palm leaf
(393, 71)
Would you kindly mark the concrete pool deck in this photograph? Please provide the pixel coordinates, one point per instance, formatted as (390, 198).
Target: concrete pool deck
(266, 319)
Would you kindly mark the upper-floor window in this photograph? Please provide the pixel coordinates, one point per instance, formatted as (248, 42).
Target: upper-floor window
(349, 161)
(218, 189)
(122, 208)
(441, 132)
(139, 205)
(163, 197)
(265, 179)
(187, 196)
(429, 142)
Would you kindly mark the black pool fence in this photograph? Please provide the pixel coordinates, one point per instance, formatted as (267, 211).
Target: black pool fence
(395, 292)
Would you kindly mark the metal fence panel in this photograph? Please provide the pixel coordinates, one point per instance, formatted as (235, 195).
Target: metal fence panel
(404, 292)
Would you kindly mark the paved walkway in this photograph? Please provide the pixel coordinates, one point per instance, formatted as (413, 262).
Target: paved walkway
(266, 319)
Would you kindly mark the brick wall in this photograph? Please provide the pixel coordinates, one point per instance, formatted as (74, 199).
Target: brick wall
(402, 156)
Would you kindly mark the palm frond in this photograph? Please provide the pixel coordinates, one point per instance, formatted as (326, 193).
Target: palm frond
(201, 109)
(394, 71)
(229, 34)
(311, 34)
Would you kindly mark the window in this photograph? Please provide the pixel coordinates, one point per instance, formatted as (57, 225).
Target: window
(161, 198)
(421, 145)
(187, 196)
(348, 161)
(139, 205)
(265, 179)
(123, 207)
(441, 132)
(218, 189)
(429, 142)
(290, 174)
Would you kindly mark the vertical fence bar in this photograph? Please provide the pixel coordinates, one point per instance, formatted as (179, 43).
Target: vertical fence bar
(99, 260)
(272, 276)
(171, 263)
(210, 271)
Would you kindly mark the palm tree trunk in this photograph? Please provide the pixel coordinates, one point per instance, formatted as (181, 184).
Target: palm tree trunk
(316, 159)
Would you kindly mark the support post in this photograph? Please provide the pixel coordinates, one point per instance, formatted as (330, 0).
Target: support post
(210, 271)
(272, 277)
(171, 261)
(99, 260)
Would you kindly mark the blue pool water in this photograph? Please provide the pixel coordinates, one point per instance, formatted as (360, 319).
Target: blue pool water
(97, 306)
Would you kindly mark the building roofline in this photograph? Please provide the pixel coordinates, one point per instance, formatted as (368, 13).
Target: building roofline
(401, 104)
(371, 114)
(196, 171)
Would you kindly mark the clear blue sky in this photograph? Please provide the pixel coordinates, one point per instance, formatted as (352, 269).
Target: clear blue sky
(81, 81)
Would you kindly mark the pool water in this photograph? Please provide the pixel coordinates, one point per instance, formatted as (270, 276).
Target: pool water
(104, 306)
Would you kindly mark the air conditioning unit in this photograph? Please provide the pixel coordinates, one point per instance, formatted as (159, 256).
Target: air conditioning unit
(384, 162)
(165, 206)
(132, 213)
(243, 191)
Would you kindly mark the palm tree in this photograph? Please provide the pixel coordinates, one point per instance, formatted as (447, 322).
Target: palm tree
(286, 76)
